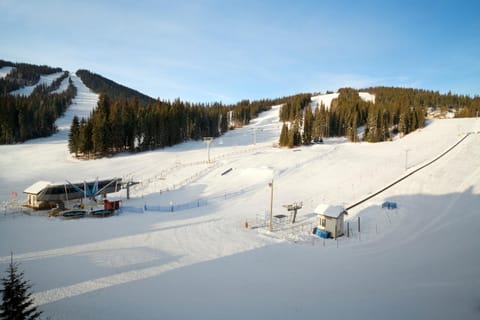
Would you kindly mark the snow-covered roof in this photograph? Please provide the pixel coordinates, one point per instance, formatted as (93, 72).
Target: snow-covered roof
(37, 187)
(329, 210)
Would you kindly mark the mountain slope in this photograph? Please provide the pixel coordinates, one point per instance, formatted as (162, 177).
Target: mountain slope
(99, 84)
(203, 263)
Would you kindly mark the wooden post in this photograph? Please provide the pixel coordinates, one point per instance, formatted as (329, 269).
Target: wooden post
(358, 224)
(348, 229)
(271, 206)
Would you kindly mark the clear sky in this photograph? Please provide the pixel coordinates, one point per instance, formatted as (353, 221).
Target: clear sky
(204, 51)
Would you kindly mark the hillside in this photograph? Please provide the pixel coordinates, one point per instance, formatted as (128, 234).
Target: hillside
(205, 259)
(127, 120)
(99, 85)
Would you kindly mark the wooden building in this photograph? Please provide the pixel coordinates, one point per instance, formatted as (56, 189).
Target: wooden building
(46, 195)
(331, 220)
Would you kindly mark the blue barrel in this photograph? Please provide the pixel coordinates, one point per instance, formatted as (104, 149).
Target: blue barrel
(323, 233)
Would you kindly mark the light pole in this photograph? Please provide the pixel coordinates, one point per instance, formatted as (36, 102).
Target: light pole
(406, 159)
(209, 142)
(270, 184)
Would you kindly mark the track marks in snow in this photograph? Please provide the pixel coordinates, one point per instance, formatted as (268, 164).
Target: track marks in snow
(166, 247)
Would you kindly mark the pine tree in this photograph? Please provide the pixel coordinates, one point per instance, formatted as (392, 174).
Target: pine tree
(17, 301)
(307, 126)
(74, 136)
(294, 137)
(284, 135)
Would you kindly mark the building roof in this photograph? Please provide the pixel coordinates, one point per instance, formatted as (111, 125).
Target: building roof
(37, 187)
(329, 210)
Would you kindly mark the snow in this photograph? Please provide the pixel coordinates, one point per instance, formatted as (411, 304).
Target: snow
(418, 261)
(365, 96)
(326, 99)
(4, 71)
(329, 210)
(63, 85)
(37, 187)
(44, 79)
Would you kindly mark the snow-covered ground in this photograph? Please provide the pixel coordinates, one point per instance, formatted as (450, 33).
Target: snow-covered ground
(326, 99)
(4, 71)
(44, 79)
(64, 85)
(417, 262)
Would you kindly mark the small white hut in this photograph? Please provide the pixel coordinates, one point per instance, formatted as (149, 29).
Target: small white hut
(331, 219)
(34, 194)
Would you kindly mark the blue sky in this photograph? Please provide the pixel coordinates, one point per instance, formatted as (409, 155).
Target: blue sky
(204, 51)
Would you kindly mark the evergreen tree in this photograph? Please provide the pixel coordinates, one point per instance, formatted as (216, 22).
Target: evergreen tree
(307, 126)
(294, 137)
(74, 136)
(284, 135)
(17, 301)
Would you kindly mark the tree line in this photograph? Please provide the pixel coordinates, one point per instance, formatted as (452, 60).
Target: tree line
(99, 84)
(22, 74)
(124, 121)
(23, 118)
(118, 125)
(395, 111)
(46, 89)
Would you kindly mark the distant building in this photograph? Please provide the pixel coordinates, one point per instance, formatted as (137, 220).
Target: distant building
(45, 195)
(330, 220)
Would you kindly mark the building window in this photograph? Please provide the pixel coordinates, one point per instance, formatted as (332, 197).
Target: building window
(323, 222)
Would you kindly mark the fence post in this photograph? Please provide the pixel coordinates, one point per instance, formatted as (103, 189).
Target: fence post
(358, 224)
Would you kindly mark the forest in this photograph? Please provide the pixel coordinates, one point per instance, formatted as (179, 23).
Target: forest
(127, 120)
(118, 125)
(395, 111)
(124, 122)
(23, 74)
(99, 84)
(22, 117)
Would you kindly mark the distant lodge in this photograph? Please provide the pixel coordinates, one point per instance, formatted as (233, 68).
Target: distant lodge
(45, 195)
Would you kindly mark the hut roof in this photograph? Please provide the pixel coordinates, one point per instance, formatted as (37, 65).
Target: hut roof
(37, 187)
(329, 210)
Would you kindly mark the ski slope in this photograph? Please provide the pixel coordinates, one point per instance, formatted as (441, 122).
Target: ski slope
(44, 79)
(326, 99)
(4, 71)
(419, 261)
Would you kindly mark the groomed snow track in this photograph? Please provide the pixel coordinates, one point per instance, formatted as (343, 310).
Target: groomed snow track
(409, 174)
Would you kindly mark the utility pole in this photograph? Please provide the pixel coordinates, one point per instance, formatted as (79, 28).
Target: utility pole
(406, 159)
(270, 184)
(209, 142)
